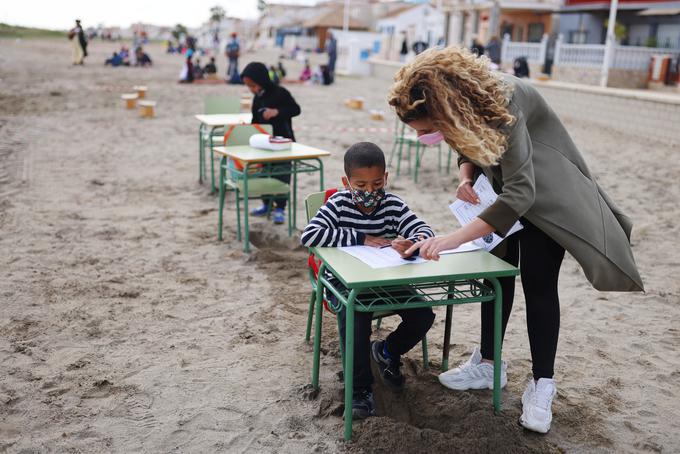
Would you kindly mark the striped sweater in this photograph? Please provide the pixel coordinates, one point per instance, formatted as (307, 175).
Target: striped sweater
(340, 223)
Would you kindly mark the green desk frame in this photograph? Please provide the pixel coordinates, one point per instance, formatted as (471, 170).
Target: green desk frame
(303, 159)
(454, 279)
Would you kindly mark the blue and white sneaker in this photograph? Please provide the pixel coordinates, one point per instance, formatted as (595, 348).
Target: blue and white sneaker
(259, 212)
(279, 216)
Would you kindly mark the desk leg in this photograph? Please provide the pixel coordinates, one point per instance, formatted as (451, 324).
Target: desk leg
(349, 363)
(497, 344)
(220, 208)
(200, 153)
(293, 204)
(321, 182)
(447, 338)
(318, 311)
(246, 210)
(212, 163)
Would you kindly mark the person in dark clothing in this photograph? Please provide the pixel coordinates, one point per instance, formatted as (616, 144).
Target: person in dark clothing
(273, 105)
(210, 68)
(477, 47)
(493, 50)
(404, 48)
(332, 49)
(419, 47)
(187, 75)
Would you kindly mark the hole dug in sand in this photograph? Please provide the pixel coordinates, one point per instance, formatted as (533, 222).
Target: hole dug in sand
(426, 417)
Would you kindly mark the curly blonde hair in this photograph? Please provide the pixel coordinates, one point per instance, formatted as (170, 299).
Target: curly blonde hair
(464, 100)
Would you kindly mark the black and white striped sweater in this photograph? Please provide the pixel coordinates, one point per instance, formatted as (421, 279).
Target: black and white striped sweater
(340, 223)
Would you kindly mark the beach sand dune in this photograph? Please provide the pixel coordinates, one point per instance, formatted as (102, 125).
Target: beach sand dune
(126, 327)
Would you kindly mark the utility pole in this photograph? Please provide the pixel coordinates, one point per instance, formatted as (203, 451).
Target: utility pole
(609, 43)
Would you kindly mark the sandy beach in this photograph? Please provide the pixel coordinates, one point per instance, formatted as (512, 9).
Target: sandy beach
(125, 326)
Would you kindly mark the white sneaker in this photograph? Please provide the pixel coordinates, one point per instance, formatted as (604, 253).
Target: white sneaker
(474, 374)
(537, 405)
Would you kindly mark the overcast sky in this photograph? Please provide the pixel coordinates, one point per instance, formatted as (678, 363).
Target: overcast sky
(60, 14)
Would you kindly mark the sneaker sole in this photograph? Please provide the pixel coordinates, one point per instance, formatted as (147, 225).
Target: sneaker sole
(534, 428)
(478, 384)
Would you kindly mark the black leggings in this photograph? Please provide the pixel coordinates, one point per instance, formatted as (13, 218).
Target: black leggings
(540, 258)
(284, 166)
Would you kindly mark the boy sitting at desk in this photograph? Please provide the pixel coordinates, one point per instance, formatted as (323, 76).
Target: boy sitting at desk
(364, 214)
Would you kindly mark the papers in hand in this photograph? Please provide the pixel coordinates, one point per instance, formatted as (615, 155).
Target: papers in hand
(378, 257)
(267, 142)
(465, 212)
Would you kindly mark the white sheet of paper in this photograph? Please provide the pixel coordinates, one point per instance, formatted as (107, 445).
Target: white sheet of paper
(465, 212)
(465, 247)
(378, 257)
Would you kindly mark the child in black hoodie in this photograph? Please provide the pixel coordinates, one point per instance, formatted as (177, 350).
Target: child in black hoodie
(272, 105)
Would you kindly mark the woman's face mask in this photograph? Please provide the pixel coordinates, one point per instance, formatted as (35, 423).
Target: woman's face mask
(433, 138)
(367, 199)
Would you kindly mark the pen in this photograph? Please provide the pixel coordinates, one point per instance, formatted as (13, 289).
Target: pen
(387, 245)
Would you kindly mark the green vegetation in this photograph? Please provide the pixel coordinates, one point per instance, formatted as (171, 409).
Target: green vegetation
(14, 31)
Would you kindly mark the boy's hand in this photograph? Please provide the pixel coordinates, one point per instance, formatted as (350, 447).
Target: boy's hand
(270, 113)
(401, 245)
(375, 241)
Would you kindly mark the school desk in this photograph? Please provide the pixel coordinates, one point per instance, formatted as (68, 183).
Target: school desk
(211, 123)
(304, 159)
(454, 279)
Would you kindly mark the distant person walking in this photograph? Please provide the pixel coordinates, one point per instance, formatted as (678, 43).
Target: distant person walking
(332, 49)
(77, 36)
(477, 47)
(404, 48)
(233, 52)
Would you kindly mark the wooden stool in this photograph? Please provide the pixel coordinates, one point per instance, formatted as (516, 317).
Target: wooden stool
(146, 109)
(141, 90)
(377, 115)
(355, 103)
(130, 100)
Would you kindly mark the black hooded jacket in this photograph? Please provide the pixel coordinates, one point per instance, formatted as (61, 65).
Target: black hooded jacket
(273, 97)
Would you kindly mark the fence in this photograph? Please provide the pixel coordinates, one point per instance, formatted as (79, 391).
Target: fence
(582, 55)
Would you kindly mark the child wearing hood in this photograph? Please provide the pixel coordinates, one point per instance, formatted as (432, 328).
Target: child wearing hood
(273, 105)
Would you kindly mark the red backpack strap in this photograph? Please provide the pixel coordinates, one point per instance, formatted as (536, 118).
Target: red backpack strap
(329, 193)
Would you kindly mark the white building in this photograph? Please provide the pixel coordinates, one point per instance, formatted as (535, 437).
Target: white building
(420, 22)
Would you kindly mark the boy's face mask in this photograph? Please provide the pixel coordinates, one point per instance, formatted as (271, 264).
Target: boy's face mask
(367, 199)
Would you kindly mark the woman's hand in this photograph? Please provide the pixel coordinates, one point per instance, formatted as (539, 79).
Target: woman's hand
(466, 193)
(270, 113)
(431, 247)
(375, 241)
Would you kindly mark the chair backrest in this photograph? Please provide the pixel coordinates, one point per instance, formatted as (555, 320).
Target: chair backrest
(313, 202)
(240, 134)
(221, 105)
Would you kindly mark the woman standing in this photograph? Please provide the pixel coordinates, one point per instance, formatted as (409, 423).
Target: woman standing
(501, 126)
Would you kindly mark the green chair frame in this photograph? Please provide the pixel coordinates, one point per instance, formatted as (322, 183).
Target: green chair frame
(313, 203)
(214, 105)
(232, 180)
(400, 138)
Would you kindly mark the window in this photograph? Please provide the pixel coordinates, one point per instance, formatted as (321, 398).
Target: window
(578, 37)
(535, 32)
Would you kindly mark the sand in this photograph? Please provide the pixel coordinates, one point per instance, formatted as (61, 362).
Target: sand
(126, 327)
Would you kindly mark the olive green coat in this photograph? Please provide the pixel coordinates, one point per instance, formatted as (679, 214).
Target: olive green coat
(543, 177)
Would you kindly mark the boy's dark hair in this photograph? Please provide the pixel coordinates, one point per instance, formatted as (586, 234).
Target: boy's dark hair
(363, 154)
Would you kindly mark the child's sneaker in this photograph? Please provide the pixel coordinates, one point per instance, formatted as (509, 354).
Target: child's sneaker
(262, 211)
(278, 215)
(537, 405)
(474, 374)
(389, 367)
(363, 404)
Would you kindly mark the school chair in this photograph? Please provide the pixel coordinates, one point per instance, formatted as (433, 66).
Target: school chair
(215, 105)
(257, 187)
(410, 139)
(313, 203)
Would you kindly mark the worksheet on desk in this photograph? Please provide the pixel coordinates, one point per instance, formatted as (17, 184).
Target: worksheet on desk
(465, 212)
(379, 257)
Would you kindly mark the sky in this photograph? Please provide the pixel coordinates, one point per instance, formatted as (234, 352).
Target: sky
(60, 14)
